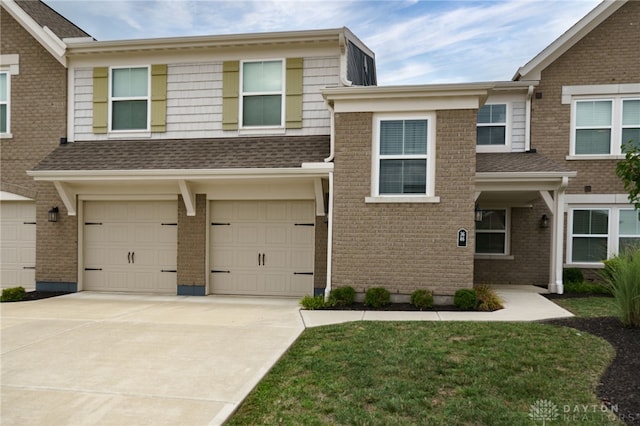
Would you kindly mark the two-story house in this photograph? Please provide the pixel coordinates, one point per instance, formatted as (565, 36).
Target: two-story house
(33, 99)
(197, 165)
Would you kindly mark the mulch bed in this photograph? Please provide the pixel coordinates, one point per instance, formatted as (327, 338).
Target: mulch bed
(37, 295)
(359, 306)
(619, 386)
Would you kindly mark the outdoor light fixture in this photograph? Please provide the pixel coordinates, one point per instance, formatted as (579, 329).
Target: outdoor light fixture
(544, 222)
(53, 214)
(478, 213)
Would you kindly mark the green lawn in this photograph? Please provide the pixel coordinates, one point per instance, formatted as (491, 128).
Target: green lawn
(435, 373)
(589, 306)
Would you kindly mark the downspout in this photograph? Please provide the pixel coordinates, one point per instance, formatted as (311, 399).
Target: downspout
(559, 218)
(332, 129)
(327, 289)
(527, 124)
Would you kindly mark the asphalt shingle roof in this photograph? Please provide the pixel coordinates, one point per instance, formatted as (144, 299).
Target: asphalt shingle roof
(185, 154)
(516, 162)
(47, 17)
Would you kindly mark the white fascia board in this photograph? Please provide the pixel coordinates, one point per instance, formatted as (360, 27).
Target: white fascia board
(160, 175)
(43, 35)
(532, 70)
(8, 196)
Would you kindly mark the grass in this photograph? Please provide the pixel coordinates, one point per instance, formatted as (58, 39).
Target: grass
(437, 373)
(589, 306)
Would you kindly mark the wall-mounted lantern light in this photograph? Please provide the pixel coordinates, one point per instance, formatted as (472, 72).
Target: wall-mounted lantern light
(53, 214)
(544, 221)
(478, 213)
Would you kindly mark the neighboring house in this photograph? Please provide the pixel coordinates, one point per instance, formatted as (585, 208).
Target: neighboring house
(196, 165)
(33, 96)
(272, 164)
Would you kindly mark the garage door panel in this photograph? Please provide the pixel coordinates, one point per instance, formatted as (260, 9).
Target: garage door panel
(276, 284)
(276, 234)
(300, 284)
(246, 234)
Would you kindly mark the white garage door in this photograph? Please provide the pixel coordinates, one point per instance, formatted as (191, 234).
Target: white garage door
(262, 248)
(130, 246)
(18, 244)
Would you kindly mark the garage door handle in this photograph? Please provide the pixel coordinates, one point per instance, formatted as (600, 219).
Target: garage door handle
(262, 259)
(129, 257)
(133, 257)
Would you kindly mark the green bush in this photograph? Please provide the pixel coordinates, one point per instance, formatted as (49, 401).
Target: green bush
(623, 277)
(465, 299)
(342, 296)
(488, 300)
(572, 275)
(14, 294)
(422, 299)
(311, 302)
(377, 297)
(586, 287)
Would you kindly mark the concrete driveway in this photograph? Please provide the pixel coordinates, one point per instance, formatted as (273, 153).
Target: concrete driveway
(89, 358)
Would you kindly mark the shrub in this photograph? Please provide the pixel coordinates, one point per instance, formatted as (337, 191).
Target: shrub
(14, 294)
(488, 300)
(422, 299)
(586, 287)
(624, 280)
(342, 296)
(572, 275)
(377, 297)
(465, 299)
(311, 302)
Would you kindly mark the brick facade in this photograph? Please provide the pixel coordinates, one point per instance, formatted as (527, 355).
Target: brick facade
(404, 246)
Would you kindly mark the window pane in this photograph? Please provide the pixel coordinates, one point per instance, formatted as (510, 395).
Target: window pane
(593, 113)
(403, 177)
(130, 82)
(493, 220)
(628, 244)
(391, 137)
(631, 113)
(262, 110)
(591, 222)
(3, 118)
(490, 243)
(631, 136)
(492, 114)
(491, 135)
(629, 222)
(129, 115)
(415, 137)
(262, 76)
(3, 87)
(593, 141)
(589, 249)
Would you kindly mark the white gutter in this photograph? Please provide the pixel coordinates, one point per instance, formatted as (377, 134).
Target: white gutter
(327, 289)
(332, 130)
(527, 128)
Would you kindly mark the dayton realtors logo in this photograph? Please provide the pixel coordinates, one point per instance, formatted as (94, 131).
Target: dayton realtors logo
(544, 411)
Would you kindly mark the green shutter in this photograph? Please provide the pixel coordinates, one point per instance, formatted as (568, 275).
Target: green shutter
(230, 92)
(100, 99)
(293, 112)
(158, 98)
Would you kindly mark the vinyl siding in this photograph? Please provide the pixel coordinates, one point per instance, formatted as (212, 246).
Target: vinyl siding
(518, 123)
(194, 100)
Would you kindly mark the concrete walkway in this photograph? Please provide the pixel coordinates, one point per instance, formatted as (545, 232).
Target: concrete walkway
(521, 303)
(111, 359)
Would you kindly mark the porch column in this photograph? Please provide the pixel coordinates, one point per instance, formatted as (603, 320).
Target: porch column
(558, 237)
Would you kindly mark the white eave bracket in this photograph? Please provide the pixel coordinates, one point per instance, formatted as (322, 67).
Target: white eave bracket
(188, 197)
(67, 196)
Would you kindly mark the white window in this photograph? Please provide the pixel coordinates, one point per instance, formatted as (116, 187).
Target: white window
(589, 235)
(628, 230)
(492, 125)
(602, 126)
(492, 232)
(403, 158)
(5, 98)
(262, 94)
(129, 94)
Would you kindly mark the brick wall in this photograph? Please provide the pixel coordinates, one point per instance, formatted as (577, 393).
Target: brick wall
(608, 55)
(192, 241)
(320, 261)
(403, 247)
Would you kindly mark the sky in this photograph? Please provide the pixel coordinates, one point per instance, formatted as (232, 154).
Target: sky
(415, 41)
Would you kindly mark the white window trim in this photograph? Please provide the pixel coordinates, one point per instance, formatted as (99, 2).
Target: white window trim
(507, 131)
(282, 94)
(507, 237)
(132, 132)
(429, 196)
(615, 143)
(613, 232)
(7, 134)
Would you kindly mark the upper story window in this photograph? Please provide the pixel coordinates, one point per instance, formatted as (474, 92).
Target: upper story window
(492, 125)
(602, 126)
(403, 158)
(5, 98)
(262, 94)
(130, 98)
